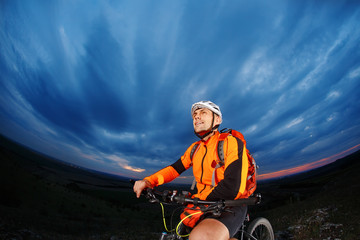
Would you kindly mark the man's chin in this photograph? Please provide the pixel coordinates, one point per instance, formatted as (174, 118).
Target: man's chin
(201, 132)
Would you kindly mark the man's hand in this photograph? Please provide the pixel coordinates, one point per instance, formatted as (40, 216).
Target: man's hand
(140, 185)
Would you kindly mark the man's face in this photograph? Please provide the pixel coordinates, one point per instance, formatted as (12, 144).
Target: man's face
(202, 119)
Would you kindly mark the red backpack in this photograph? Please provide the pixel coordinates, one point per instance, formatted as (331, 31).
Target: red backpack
(251, 176)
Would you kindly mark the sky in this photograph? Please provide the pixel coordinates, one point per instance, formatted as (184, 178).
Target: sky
(108, 85)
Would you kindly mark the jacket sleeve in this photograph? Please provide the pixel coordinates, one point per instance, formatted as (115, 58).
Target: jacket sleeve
(172, 171)
(235, 174)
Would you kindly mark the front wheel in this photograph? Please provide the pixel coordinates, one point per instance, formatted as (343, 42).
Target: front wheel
(260, 229)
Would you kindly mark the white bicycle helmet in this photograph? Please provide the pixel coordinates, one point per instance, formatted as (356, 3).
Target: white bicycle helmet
(206, 104)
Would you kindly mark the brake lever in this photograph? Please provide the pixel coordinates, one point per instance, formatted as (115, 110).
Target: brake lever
(151, 196)
(149, 193)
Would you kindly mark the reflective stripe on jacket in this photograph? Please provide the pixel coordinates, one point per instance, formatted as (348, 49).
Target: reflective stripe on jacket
(213, 181)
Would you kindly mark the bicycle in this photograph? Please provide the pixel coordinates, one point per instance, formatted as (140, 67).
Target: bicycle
(258, 229)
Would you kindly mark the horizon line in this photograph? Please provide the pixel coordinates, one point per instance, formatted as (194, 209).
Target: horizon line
(307, 166)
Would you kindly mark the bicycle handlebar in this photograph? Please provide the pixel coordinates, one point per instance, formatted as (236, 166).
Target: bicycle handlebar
(173, 196)
(183, 199)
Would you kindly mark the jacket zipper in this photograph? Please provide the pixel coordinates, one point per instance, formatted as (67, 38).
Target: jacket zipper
(203, 189)
(202, 164)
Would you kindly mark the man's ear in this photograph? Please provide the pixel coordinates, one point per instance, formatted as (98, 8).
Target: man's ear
(217, 119)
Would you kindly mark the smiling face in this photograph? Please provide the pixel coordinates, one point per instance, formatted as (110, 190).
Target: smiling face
(202, 119)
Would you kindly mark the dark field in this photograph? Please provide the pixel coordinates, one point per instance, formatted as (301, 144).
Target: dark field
(41, 198)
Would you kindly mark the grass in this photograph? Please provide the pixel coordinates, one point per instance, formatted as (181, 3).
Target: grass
(29, 201)
(333, 210)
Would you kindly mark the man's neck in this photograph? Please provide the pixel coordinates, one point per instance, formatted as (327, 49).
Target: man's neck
(209, 136)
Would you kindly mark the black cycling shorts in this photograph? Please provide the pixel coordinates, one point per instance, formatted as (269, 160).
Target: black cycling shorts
(232, 220)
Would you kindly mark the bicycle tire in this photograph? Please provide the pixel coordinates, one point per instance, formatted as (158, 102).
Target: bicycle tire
(260, 229)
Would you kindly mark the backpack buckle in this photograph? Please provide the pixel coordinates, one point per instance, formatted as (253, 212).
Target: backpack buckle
(225, 130)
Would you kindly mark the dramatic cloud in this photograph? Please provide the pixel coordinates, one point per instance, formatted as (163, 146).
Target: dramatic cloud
(108, 85)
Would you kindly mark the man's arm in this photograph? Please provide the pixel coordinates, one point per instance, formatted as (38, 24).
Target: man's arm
(165, 175)
(228, 187)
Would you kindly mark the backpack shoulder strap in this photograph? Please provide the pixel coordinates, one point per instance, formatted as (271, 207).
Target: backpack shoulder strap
(224, 133)
(220, 145)
(193, 150)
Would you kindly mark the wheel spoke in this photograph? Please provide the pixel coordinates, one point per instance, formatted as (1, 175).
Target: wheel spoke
(261, 233)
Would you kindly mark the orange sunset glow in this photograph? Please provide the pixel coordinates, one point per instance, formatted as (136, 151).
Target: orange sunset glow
(308, 166)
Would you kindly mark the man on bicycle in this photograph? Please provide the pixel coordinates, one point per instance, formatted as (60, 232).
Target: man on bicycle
(213, 182)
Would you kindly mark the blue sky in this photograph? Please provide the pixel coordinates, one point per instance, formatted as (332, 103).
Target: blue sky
(108, 85)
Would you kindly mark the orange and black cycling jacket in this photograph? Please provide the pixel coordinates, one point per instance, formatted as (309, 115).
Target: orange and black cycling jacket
(213, 182)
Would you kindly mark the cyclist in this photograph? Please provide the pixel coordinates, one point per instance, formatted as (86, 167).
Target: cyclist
(213, 182)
